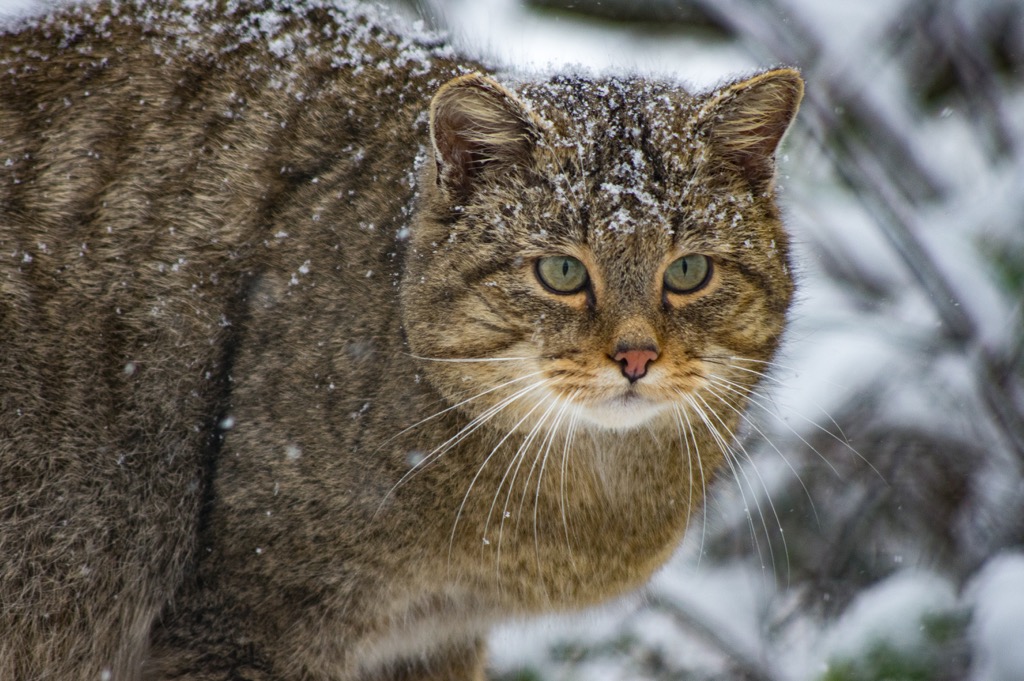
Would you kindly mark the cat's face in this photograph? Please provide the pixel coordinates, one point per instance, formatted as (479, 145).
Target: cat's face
(606, 254)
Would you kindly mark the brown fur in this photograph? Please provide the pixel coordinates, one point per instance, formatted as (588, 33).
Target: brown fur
(267, 300)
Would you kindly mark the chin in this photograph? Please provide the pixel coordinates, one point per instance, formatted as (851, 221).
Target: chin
(621, 414)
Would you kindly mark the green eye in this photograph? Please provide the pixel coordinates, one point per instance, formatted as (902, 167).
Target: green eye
(562, 274)
(688, 273)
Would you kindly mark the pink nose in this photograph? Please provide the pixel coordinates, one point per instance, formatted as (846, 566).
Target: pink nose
(634, 362)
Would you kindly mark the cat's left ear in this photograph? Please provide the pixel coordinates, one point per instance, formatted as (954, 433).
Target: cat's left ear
(748, 118)
(477, 127)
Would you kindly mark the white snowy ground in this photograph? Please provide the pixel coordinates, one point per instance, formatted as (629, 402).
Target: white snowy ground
(835, 350)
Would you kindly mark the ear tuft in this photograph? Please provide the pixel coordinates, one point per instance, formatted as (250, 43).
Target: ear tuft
(748, 119)
(476, 125)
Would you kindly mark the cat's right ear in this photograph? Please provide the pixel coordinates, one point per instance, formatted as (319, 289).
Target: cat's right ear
(477, 126)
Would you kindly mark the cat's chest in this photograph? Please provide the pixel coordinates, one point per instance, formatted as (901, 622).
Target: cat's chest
(566, 524)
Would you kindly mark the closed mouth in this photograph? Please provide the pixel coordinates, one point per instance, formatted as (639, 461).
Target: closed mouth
(626, 410)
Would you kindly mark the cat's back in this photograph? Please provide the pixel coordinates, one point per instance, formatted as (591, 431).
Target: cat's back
(162, 166)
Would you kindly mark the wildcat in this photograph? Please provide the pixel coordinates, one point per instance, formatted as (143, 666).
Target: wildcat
(322, 351)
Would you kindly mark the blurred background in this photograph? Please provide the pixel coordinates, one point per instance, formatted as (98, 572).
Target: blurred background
(876, 531)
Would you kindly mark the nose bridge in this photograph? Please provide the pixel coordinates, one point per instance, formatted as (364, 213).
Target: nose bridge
(631, 303)
(630, 308)
(635, 332)
(632, 341)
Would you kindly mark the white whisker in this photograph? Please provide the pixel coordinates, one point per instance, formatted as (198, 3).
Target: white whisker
(727, 385)
(517, 461)
(686, 435)
(757, 472)
(841, 439)
(764, 486)
(570, 438)
(457, 405)
(739, 474)
(504, 438)
(472, 426)
(470, 359)
(559, 417)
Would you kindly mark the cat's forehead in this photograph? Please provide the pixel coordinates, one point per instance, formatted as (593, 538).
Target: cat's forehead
(614, 145)
(609, 115)
(615, 97)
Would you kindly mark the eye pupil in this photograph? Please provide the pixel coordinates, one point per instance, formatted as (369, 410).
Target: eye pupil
(562, 274)
(688, 273)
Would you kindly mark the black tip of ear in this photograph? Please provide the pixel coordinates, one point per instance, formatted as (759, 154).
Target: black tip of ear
(476, 124)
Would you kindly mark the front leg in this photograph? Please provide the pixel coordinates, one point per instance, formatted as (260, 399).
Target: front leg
(456, 662)
(453, 663)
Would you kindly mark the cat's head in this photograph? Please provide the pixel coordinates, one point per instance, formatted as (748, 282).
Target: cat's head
(608, 251)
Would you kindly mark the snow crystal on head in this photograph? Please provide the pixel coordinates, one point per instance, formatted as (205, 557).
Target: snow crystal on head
(634, 144)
